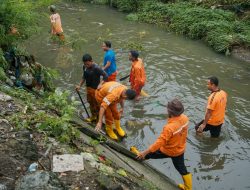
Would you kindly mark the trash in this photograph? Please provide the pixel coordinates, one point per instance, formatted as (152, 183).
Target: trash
(102, 158)
(33, 167)
(67, 162)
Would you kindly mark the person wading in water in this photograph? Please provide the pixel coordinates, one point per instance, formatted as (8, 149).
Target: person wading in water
(171, 143)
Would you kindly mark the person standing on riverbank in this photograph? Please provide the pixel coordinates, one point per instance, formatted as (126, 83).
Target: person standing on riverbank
(108, 95)
(56, 25)
(172, 142)
(137, 77)
(215, 111)
(109, 62)
(92, 74)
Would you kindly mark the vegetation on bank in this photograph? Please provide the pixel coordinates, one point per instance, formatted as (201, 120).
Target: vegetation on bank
(18, 21)
(222, 24)
(51, 115)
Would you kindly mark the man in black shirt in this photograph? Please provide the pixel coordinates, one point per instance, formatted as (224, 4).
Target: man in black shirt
(92, 75)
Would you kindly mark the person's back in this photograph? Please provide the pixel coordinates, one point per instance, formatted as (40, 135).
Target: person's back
(110, 56)
(217, 103)
(92, 76)
(138, 72)
(110, 92)
(175, 135)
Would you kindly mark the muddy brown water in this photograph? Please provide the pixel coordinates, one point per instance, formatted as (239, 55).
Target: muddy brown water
(176, 67)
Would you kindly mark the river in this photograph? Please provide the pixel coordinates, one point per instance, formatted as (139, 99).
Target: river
(175, 67)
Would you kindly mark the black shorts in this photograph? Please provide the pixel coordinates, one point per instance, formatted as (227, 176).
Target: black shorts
(214, 130)
(178, 161)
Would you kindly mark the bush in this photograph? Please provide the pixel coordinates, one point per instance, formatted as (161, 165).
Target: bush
(18, 19)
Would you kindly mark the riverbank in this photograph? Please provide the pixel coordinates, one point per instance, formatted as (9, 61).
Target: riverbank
(222, 26)
(31, 135)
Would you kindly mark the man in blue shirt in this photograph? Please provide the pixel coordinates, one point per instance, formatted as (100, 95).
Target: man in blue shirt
(109, 63)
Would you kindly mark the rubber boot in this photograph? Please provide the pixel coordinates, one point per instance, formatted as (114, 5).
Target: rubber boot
(119, 130)
(187, 182)
(110, 132)
(143, 93)
(134, 150)
(91, 119)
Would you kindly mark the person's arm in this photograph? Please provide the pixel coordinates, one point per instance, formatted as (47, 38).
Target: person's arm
(102, 73)
(80, 84)
(203, 125)
(142, 154)
(107, 65)
(166, 134)
(99, 123)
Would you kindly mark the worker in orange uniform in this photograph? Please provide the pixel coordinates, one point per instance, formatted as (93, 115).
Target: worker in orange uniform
(215, 111)
(56, 25)
(108, 95)
(92, 74)
(172, 142)
(137, 74)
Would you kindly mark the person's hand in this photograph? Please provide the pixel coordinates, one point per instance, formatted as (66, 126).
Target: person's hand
(98, 126)
(201, 127)
(141, 155)
(77, 88)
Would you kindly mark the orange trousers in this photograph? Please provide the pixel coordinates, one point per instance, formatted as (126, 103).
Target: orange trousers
(137, 88)
(94, 107)
(111, 113)
(112, 77)
(61, 36)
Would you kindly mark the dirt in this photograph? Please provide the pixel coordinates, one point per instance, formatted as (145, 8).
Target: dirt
(20, 148)
(241, 53)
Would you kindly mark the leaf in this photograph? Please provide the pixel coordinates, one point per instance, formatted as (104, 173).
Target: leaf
(122, 172)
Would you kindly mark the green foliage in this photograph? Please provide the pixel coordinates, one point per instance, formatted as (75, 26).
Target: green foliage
(132, 17)
(49, 76)
(58, 127)
(3, 76)
(3, 63)
(219, 28)
(21, 15)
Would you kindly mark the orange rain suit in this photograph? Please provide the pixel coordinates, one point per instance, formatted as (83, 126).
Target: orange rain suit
(217, 103)
(94, 107)
(172, 140)
(108, 96)
(137, 76)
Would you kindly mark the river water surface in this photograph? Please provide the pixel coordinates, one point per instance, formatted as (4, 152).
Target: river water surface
(176, 67)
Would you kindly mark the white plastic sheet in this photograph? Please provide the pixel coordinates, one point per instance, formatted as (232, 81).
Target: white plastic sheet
(67, 162)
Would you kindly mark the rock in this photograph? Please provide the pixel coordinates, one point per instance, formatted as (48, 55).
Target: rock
(106, 183)
(39, 180)
(9, 82)
(5, 98)
(3, 187)
(12, 77)
(24, 146)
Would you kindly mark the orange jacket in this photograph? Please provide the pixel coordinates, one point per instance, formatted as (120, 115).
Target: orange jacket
(172, 140)
(217, 103)
(137, 73)
(109, 93)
